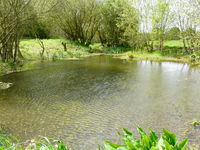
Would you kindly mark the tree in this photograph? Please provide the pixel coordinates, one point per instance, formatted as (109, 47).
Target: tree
(78, 19)
(129, 24)
(187, 18)
(118, 20)
(13, 15)
(173, 34)
(160, 21)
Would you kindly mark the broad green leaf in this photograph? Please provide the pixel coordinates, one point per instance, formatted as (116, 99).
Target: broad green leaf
(141, 132)
(110, 146)
(168, 146)
(126, 132)
(169, 137)
(61, 146)
(182, 144)
(154, 148)
(160, 143)
(146, 142)
(153, 138)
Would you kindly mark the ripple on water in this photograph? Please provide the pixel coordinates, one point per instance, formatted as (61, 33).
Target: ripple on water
(86, 102)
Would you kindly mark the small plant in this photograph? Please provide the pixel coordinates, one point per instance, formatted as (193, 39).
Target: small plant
(168, 141)
(130, 55)
(195, 57)
(196, 122)
(6, 142)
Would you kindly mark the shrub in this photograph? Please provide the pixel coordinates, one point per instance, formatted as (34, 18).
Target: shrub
(168, 141)
(130, 55)
(196, 122)
(195, 57)
(96, 48)
(117, 50)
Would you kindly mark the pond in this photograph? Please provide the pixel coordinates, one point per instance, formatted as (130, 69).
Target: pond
(85, 102)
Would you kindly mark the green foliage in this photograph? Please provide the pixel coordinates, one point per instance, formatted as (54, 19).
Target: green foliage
(119, 23)
(116, 50)
(168, 141)
(7, 142)
(195, 57)
(38, 30)
(173, 34)
(78, 19)
(131, 55)
(196, 122)
(146, 141)
(31, 49)
(160, 21)
(96, 48)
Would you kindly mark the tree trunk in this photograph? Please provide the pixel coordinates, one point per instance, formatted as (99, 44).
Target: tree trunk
(184, 46)
(65, 46)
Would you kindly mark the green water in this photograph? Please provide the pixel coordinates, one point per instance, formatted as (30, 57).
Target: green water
(86, 102)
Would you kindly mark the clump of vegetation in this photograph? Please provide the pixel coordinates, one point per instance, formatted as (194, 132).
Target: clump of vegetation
(46, 144)
(8, 142)
(117, 49)
(196, 122)
(168, 141)
(195, 57)
(131, 55)
(96, 48)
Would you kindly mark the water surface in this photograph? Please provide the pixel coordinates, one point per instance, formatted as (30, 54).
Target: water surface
(87, 101)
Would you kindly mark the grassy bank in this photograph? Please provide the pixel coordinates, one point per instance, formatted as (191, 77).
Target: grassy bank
(155, 56)
(173, 52)
(53, 49)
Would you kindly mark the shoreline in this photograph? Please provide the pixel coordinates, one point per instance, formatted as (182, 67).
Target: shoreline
(28, 64)
(124, 56)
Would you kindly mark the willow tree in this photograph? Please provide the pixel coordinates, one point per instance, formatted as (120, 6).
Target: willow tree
(78, 19)
(13, 14)
(15, 17)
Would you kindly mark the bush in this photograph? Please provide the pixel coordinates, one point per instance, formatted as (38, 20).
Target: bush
(168, 141)
(117, 50)
(96, 48)
(195, 57)
(131, 55)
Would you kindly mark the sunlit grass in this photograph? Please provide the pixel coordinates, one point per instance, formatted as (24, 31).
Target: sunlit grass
(173, 43)
(31, 49)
